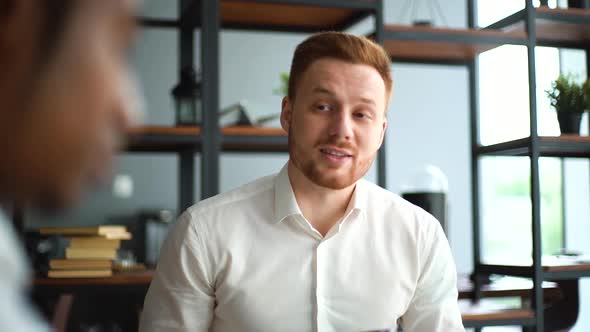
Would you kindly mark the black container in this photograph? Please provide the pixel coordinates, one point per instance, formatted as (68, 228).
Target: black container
(569, 122)
(433, 202)
(578, 4)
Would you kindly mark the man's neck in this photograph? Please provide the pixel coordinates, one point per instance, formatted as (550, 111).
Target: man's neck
(322, 207)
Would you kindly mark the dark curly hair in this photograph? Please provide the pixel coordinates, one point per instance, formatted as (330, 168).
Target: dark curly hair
(54, 20)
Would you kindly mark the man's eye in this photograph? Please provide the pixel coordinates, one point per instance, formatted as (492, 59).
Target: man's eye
(323, 108)
(361, 115)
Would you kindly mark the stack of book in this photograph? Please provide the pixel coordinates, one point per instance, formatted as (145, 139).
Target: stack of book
(90, 251)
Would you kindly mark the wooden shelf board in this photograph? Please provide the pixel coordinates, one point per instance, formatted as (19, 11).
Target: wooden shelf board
(507, 287)
(118, 279)
(239, 138)
(555, 27)
(424, 43)
(550, 146)
(576, 267)
(491, 315)
(554, 267)
(164, 130)
(252, 131)
(194, 130)
(567, 138)
(281, 16)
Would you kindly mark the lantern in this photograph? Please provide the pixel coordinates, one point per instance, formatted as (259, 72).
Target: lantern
(187, 99)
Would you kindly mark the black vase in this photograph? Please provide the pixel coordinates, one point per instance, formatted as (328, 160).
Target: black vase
(577, 4)
(433, 202)
(569, 122)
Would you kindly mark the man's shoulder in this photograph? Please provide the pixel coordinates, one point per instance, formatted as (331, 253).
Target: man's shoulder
(386, 200)
(249, 193)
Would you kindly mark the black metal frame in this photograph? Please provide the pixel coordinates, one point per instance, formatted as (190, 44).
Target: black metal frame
(534, 147)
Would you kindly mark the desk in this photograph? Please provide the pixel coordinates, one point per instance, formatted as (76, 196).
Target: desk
(135, 281)
(73, 302)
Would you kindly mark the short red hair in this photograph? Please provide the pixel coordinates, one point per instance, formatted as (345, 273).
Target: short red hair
(340, 46)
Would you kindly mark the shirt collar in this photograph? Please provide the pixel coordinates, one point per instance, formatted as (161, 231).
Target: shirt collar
(286, 204)
(358, 202)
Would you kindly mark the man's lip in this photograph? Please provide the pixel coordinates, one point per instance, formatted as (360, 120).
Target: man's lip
(337, 150)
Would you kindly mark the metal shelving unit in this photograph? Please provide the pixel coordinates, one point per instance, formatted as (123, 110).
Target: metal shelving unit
(301, 16)
(541, 27)
(529, 27)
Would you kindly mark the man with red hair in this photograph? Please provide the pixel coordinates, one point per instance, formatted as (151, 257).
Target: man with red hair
(315, 247)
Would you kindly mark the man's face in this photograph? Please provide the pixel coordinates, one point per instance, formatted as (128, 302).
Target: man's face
(336, 123)
(67, 130)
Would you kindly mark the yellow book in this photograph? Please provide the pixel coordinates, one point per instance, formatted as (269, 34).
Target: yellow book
(91, 253)
(118, 236)
(80, 264)
(79, 273)
(102, 230)
(94, 242)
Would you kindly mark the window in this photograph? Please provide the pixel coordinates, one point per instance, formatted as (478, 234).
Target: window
(504, 116)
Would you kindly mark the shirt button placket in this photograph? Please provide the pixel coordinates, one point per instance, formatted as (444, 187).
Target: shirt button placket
(319, 289)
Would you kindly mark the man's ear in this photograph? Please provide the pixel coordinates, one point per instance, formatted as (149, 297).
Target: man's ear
(384, 129)
(286, 113)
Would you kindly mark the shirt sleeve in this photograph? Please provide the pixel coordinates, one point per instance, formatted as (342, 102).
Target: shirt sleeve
(434, 307)
(16, 310)
(181, 296)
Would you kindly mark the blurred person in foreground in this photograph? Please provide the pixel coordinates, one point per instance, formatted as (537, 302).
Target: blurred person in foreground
(66, 98)
(314, 247)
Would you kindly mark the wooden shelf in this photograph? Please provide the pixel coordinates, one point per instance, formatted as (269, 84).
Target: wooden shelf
(507, 287)
(175, 139)
(254, 139)
(163, 139)
(288, 15)
(127, 282)
(555, 146)
(426, 44)
(278, 15)
(557, 27)
(118, 279)
(554, 268)
(492, 314)
(566, 268)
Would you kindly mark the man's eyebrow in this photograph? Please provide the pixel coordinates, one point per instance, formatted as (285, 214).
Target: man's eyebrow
(321, 89)
(368, 101)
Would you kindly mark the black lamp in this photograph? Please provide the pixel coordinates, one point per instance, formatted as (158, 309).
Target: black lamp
(187, 98)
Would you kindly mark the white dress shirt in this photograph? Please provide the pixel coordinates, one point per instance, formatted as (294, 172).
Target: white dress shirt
(16, 312)
(248, 260)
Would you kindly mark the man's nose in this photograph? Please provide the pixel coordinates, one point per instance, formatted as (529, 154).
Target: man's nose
(341, 125)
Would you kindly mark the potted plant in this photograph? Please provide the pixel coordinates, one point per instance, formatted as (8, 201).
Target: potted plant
(569, 100)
